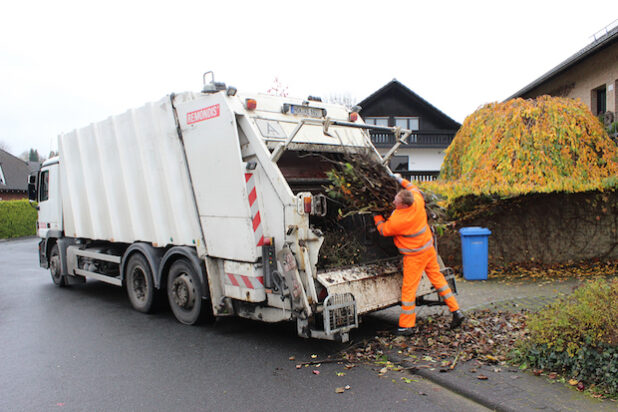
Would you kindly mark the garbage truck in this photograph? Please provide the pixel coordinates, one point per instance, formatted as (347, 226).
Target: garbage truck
(212, 200)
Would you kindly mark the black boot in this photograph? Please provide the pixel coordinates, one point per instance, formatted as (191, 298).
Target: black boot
(404, 331)
(458, 318)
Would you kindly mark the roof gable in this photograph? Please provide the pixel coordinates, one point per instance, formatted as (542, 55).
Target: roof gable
(15, 172)
(396, 87)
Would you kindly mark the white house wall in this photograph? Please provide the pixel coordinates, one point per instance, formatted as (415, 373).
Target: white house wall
(420, 159)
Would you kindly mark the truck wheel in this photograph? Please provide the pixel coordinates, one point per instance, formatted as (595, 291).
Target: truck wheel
(140, 284)
(184, 292)
(55, 268)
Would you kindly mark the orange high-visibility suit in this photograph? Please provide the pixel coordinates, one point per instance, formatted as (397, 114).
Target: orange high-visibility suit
(413, 238)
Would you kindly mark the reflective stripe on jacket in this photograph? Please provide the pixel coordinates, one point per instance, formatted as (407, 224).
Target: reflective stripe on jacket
(408, 226)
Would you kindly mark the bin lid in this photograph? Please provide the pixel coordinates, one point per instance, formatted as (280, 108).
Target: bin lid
(474, 231)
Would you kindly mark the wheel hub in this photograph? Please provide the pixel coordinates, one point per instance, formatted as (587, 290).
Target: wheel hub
(54, 265)
(139, 284)
(183, 291)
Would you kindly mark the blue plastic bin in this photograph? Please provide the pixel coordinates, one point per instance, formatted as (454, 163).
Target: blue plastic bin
(474, 252)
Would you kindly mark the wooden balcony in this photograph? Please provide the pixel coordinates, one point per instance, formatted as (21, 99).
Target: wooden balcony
(421, 139)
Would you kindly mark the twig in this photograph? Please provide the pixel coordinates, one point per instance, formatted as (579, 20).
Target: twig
(455, 361)
(316, 362)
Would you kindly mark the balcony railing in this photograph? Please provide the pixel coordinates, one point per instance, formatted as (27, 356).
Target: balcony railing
(419, 175)
(438, 138)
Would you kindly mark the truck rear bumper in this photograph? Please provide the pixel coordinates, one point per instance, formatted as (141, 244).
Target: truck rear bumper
(374, 286)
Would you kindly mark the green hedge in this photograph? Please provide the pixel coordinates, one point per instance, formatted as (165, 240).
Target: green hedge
(578, 336)
(17, 219)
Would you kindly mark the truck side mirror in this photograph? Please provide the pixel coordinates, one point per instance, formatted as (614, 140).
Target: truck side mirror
(32, 194)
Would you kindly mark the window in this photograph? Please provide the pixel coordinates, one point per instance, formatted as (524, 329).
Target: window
(407, 122)
(2, 181)
(44, 186)
(601, 101)
(399, 163)
(377, 121)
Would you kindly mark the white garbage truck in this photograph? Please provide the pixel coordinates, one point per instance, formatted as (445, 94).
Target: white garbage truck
(213, 200)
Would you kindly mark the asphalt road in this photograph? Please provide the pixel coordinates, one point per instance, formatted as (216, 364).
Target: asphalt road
(84, 348)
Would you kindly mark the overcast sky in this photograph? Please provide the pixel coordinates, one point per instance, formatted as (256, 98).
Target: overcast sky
(65, 64)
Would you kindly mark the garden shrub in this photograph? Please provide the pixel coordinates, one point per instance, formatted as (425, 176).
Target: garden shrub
(543, 145)
(17, 219)
(578, 335)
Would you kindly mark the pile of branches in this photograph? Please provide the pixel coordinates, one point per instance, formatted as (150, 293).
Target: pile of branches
(362, 185)
(340, 249)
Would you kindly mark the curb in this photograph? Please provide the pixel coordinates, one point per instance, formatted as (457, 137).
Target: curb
(458, 389)
(442, 380)
(16, 239)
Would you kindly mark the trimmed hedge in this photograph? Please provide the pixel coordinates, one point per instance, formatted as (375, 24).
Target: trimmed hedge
(17, 219)
(542, 145)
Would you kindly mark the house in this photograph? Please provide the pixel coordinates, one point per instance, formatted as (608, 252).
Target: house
(396, 105)
(591, 75)
(13, 177)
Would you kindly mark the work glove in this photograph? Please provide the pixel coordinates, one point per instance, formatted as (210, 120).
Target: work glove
(395, 176)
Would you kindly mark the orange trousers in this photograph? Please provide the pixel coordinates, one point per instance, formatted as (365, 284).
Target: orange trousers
(413, 267)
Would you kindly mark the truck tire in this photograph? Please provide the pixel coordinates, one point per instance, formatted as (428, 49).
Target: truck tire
(139, 283)
(184, 292)
(55, 268)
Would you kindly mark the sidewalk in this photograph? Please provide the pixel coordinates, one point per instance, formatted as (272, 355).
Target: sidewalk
(506, 388)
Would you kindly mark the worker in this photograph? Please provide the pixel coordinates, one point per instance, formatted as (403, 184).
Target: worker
(412, 236)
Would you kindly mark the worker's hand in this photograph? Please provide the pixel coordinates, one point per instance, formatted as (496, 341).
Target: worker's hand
(395, 176)
(378, 218)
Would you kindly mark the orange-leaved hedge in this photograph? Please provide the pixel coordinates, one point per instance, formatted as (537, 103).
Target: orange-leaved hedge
(548, 144)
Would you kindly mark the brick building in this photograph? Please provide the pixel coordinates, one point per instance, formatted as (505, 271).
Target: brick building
(396, 105)
(590, 75)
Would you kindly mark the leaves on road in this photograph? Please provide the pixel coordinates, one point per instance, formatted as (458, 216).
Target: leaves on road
(485, 336)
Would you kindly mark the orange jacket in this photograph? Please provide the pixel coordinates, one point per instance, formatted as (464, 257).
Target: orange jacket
(408, 226)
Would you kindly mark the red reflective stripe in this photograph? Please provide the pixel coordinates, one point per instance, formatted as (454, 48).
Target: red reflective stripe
(247, 282)
(256, 221)
(252, 197)
(233, 279)
(261, 242)
(247, 176)
(261, 279)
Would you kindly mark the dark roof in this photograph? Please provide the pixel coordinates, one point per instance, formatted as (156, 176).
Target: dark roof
(602, 42)
(15, 172)
(396, 84)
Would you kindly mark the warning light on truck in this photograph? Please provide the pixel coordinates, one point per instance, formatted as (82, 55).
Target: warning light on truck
(251, 104)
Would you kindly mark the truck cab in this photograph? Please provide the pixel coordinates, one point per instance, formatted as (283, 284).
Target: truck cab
(48, 198)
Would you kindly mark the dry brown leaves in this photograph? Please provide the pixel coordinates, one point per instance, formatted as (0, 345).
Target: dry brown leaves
(485, 336)
(534, 271)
